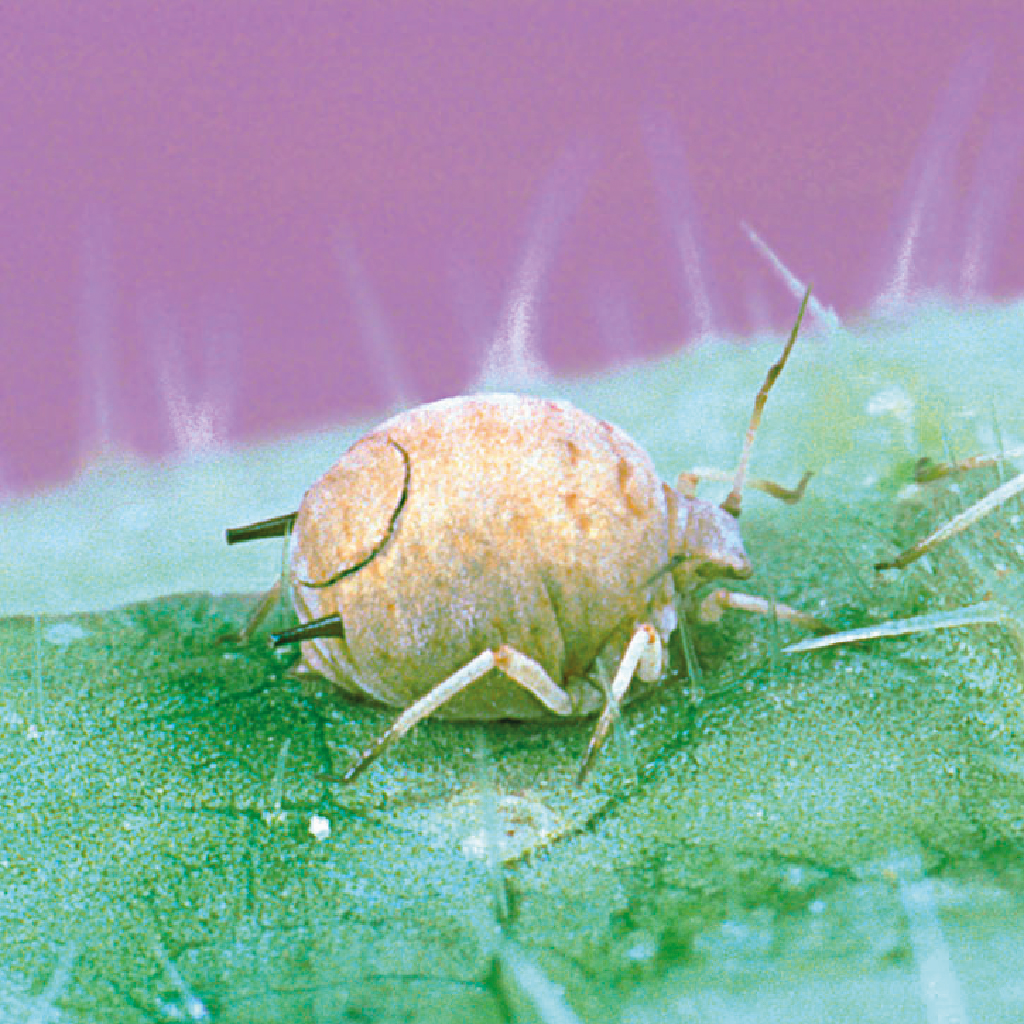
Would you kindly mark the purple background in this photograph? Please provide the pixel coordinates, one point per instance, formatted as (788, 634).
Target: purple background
(227, 221)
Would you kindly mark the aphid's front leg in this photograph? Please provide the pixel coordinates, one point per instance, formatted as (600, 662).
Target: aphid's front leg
(643, 656)
(717, 601)
(687, 482)
(520, 668)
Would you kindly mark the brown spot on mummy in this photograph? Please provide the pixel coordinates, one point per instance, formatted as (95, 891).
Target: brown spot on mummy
(580, 518)
(624, 472)
(574, 452)
(625, 475)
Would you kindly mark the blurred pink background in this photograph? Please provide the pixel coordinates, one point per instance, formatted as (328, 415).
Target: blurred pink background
(229, 221)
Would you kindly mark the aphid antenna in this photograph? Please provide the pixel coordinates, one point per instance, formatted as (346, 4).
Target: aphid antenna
(733, 500)
(984, 613)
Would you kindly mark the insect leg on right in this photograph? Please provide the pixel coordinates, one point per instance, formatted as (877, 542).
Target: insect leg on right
(711, 608)
(643, 655)
(957, 524)
(927, 471)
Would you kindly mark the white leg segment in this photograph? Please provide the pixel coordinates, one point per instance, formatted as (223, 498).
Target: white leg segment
(440, 694)
(520, 668)
(532, 676)
(643, 656)
(717, 601)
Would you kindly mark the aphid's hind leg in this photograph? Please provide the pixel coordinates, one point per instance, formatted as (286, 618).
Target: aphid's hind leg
(278, 526)
(521, 669)
(256, 617)
(717, 601)
(643, 656)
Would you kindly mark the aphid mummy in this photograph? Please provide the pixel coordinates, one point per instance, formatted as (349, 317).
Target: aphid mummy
(502, 557)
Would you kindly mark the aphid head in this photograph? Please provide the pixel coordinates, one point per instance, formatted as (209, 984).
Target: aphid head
(706, 544)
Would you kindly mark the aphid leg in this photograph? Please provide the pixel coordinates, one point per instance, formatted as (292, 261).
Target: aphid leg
(926, 470)
(643, 656)
(517, 666)
(277, 526)
(957, 524)
(256, 617)
(717, 601)
(687, 482)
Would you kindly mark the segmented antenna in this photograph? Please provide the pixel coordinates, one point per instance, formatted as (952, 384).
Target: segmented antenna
(734, 498)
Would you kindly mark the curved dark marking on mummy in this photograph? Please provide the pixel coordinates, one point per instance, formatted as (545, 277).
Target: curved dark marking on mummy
(363, 562)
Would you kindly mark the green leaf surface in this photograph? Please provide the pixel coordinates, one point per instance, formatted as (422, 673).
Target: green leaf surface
(828, 835)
